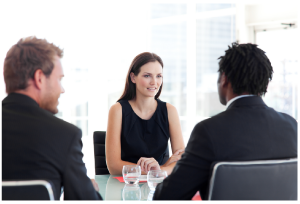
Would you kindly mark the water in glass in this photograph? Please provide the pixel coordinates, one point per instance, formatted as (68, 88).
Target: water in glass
(131, 174)
(154, 177)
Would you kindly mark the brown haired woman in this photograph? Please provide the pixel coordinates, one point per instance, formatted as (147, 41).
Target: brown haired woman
(139, 124)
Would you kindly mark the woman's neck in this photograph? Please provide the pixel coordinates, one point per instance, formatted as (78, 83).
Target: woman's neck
(144, 104)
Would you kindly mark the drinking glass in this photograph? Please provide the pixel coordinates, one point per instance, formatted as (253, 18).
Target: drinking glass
(154, 177)
(131, 174)
(131, 192)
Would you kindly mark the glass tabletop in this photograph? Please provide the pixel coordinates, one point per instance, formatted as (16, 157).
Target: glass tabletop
(112, 189)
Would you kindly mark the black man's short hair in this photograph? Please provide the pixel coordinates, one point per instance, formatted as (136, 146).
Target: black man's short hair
(247, 68)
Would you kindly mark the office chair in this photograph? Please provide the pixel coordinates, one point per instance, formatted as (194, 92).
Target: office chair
(99, 153)
(27, 190)
(254, 180)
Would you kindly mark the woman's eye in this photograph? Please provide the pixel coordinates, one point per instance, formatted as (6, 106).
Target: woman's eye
(159, 76)
(146, 76)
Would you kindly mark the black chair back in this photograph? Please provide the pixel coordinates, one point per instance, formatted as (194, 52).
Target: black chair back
(254, 180)
(27, 190)
(99, 153)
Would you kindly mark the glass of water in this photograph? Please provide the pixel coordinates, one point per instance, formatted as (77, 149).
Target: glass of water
(154, 177)
(131, 174)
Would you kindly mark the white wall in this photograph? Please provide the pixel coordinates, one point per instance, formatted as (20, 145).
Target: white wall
(253, 17)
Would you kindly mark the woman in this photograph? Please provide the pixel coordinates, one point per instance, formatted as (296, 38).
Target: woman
(139, 124)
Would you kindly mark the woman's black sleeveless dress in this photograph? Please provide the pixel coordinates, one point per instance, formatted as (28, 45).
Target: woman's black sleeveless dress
(144, 138)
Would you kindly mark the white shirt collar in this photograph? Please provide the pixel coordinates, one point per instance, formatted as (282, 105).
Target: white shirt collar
(235, 98)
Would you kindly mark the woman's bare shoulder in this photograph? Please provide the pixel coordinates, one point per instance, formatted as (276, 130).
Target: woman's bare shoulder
(171, 109)
(116, 108)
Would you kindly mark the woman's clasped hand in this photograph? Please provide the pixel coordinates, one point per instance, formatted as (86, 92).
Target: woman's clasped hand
(148, 164)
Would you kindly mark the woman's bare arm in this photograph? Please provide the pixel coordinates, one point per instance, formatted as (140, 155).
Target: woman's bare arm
(176, 138)
(113, 141)
(175, 129)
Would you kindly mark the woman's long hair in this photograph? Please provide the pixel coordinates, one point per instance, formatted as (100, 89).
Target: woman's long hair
(129, 92)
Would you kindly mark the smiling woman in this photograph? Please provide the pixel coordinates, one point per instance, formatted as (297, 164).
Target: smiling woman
(150, 79)
(140, 125)
(148, 61)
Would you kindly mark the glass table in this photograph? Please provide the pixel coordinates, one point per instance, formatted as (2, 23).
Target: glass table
(112, 189)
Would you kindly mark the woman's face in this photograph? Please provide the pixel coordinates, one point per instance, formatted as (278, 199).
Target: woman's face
(149, 80)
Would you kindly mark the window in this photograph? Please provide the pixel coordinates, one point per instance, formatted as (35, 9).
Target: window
(279, 46)
(189, 38)
(213, 37)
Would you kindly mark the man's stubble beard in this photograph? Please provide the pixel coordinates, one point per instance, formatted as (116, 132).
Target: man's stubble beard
(49, 101)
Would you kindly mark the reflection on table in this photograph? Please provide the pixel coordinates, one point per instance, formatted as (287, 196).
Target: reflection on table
(112, 189)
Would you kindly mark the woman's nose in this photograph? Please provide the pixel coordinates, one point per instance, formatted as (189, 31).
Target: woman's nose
(153, 80)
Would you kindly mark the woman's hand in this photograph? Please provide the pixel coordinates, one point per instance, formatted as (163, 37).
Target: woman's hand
(175, 157)
(148, 164)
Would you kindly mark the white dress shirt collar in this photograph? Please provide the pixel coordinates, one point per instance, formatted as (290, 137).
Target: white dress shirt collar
(235, 98)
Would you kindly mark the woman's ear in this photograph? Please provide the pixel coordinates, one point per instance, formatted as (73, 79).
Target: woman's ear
(132, 77)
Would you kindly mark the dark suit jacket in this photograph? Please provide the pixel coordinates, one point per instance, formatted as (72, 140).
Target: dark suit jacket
(247, 130)
(38, 145)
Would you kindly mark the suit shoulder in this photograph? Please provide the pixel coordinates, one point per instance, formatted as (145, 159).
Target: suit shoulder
(59, 123)
(66, 124)
(210, 124)
(287, 117)
(202, 124)
(215, 118)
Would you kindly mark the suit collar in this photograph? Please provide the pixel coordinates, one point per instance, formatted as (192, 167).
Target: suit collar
(235, 98)
(19, 99)
(247, 101)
